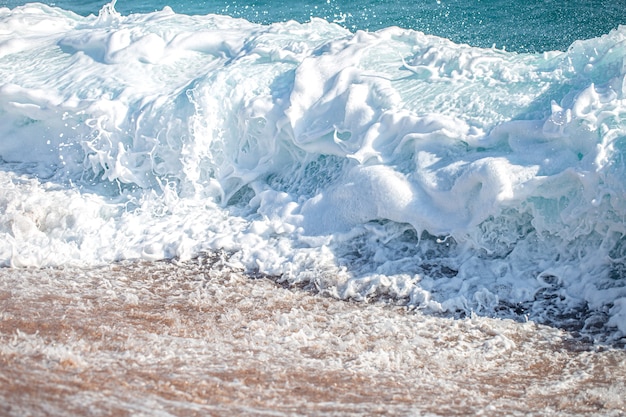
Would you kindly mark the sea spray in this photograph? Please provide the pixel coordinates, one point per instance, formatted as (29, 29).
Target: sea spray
(370, 164)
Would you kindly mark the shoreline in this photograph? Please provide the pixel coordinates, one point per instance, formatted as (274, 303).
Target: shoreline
(186, 339)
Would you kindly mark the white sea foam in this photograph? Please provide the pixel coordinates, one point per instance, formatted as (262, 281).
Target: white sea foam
(389, 163)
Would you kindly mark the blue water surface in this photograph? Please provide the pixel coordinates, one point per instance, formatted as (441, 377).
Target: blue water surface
(522, 26)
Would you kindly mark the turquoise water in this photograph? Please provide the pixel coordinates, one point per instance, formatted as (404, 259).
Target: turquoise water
(523, 26)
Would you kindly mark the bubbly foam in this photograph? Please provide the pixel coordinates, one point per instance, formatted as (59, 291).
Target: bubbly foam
(367, 164)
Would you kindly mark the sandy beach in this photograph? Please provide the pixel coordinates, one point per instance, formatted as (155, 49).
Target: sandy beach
(171, 339)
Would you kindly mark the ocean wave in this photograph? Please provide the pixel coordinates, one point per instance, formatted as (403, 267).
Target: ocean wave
(389, 163)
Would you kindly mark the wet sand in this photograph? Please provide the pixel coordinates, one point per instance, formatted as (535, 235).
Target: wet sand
(164, 339)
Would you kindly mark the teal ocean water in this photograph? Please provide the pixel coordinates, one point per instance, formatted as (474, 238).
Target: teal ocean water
(535, 26)
(456, 157)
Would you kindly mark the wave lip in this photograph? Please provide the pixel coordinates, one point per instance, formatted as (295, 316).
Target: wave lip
(387, 163)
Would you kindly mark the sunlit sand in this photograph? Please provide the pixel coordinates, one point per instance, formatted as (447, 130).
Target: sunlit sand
(189, 339)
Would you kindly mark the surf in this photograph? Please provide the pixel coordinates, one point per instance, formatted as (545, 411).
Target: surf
(390, 163)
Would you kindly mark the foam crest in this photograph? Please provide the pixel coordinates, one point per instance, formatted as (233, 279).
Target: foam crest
(367, 164)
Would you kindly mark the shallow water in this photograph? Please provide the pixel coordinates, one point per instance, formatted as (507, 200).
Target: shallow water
(188, 339)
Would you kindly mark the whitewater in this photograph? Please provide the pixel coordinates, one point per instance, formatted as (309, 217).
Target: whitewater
(459, 183)
(387, 163)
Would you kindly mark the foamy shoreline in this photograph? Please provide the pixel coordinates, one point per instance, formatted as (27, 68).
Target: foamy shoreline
(167, 339)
